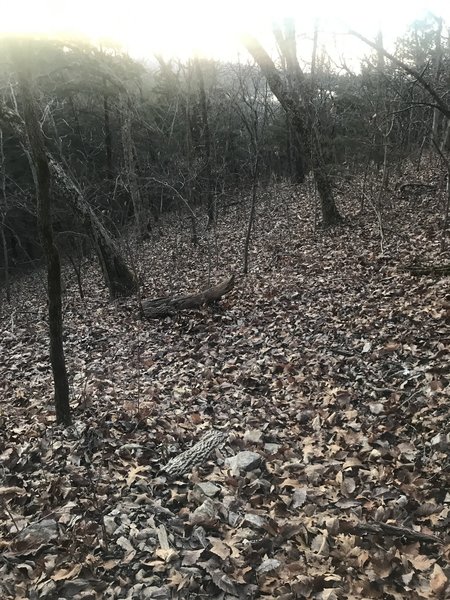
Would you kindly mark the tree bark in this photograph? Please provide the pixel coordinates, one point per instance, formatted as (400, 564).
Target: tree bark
(108, 138)
(131, 171)
(184, 463)
(206, 141)
(118, 276)
(291, 102)
(170, 305)
(41, 174)
(3, 212)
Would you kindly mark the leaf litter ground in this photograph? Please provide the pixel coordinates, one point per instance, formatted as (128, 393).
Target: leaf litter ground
(329, 360)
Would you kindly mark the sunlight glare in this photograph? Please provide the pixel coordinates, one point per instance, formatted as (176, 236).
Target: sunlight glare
(210, 28)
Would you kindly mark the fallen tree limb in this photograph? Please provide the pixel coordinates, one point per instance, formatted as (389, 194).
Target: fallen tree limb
(415, 185)
(170, 305)
(386, 529)
(429, 269)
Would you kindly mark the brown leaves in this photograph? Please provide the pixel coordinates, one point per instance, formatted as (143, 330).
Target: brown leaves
(323, 369)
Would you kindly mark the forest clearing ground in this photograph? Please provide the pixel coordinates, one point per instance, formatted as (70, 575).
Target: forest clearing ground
(329, 359)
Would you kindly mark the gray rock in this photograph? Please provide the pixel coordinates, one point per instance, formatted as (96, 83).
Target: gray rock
(441, 440)
(268, 566)
(244, 461)
(110, 524)
(160, 593)
(39, 533)
(206, 488)
(271, 448)
(254, 520)
(253, 435)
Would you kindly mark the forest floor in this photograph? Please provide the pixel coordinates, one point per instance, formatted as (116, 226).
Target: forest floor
(329, 360)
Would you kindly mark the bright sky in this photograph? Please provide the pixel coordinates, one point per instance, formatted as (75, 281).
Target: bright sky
(210, 27)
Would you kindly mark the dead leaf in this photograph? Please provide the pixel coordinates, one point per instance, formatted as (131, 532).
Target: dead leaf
(439, 580)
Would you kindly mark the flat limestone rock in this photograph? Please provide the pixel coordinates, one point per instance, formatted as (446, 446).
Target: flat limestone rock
(244, 461)
(206, 488)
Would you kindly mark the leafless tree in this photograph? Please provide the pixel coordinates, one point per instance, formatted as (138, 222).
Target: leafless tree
(41, 173)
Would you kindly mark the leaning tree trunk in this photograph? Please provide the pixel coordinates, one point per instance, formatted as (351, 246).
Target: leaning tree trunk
(118, 276)
(41, 174)
(285, 98)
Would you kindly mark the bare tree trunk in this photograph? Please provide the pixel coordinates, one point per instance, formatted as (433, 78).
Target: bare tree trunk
(330, 214)
(131, 171)
(41, 174)
(446, 137)
(118, 276)
(290, 101)
(78, 129)
(3, 211)
(194, 236)
(207, 143)
(251, 217)
(287, 100)
(437, 72)
(108, 137)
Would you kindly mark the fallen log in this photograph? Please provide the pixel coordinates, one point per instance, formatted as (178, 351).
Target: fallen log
(159, 308)
(436, 270)
(385, 529)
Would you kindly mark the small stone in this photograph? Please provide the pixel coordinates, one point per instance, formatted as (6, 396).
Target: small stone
(244, 461)
(376, 408)
(206, 488)
(268, 566)
(271, 448)
(255, 520)
(110, 524)
(441, 440)
(253, 436)
(299, 497)
(205, 514)
(39, 533)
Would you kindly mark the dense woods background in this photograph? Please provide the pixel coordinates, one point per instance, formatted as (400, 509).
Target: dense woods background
(224, 315)
(139, 141)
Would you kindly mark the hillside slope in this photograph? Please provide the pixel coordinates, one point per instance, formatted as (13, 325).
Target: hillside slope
(329, 360)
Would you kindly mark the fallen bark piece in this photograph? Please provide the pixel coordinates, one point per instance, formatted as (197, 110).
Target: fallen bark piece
(184, 463)
(170, 305)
